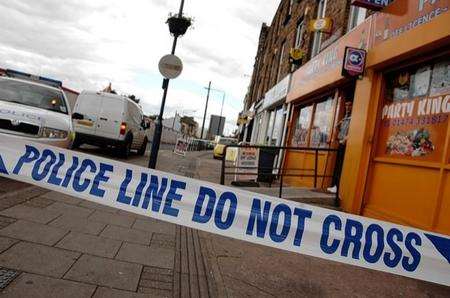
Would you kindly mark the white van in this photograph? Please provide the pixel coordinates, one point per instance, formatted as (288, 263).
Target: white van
(36, 111)
(105, 119)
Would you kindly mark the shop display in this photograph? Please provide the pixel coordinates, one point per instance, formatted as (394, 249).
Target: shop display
(414, 143)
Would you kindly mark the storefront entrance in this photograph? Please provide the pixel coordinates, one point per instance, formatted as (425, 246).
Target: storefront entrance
(409, 173)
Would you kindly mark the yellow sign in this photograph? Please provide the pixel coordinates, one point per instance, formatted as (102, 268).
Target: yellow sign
(297, 54)
(321, 25)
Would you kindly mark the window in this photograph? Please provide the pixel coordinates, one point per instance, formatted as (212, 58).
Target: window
(357, 16)
(321, 128)
(301, 131)
(280, 63)
(300, 32)
(291, 5)
(317, 42)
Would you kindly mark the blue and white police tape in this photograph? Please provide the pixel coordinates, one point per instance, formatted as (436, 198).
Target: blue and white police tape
(230, 212)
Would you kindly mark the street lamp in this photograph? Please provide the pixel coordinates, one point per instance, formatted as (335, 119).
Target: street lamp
(178, 26)
(221, 109)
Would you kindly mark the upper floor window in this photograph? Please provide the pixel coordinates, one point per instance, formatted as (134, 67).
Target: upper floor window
(357, 16)
(300, 32)
(317, 42)
(280, 63)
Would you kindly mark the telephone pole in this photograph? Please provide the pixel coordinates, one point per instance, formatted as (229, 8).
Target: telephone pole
(206, 110)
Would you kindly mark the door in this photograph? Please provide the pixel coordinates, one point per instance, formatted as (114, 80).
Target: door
(110, 117)
(88, 105)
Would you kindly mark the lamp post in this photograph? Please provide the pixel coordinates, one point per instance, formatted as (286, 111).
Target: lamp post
(178, 26)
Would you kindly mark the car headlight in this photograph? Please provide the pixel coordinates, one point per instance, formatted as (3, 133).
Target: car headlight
(51, 133)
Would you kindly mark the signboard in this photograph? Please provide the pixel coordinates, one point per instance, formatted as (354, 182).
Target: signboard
(404, 15)
(277, 93)
(372, 4)
(416, 111)
(321, 25)
(354, 62)
(247, 164)
(170, 66)
(326, 67)
(181, 147)
(296, 56)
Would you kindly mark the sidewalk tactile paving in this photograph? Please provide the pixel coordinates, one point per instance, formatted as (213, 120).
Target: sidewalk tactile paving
(33, 232)
(39, 259)
(90, 244)
(105, 272)
(30, 213)
(7, 276)
(31, 285)
(149, 256)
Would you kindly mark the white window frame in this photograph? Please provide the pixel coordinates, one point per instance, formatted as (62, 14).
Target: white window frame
(280, 62)
(317, 43)
(357, 16)
(300, 32)
(291, 5)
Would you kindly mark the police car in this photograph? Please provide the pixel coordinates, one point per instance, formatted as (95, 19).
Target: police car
(35, 108)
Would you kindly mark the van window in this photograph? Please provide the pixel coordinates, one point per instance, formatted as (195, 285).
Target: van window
(33, 95)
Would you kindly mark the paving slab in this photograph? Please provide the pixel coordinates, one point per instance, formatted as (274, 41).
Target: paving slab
(39, 259)
(89, 244)
(105, 272)
(154, 226)
(67, 209)
(151, 292)
(6, 243)
(103, 292)
(112, 219)
(92, 205)
(63, 198)
(38, 215)
(6, 221)
(33, 232)
(39, 202)
(128, 235)
(78, 224)
(149, 256)
(37, 286)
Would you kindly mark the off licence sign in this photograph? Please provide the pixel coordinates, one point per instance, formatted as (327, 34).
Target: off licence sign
(354, 62)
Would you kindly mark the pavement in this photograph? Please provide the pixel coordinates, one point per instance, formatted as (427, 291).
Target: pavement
(54, 245)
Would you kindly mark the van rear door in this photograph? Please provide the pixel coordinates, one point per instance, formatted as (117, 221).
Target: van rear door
(112, 113)
(88, 105)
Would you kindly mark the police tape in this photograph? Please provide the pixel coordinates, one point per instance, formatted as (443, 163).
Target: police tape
(230, 212)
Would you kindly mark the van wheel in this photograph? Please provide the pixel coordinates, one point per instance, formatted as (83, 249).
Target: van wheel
(125, 149)
(141, 151)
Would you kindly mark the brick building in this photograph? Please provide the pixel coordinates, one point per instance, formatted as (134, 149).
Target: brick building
(265, 112)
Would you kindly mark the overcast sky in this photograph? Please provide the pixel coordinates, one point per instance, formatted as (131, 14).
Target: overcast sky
(89, 43)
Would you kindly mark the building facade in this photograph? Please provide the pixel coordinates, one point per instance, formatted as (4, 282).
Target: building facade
(216, 127)
(397, 151)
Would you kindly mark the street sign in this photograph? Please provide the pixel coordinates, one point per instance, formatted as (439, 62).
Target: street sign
(354, 62)
(170, 66)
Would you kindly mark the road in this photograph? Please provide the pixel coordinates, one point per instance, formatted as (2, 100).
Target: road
(56, 245)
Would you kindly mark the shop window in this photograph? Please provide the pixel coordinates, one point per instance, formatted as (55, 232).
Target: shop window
(415, 112)
(301, 130)
(357, 16)
(321, 128)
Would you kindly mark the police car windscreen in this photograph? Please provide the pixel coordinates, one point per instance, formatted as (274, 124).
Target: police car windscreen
(32, 95)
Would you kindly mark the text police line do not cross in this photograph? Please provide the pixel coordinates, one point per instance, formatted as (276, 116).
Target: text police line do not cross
(231, 212)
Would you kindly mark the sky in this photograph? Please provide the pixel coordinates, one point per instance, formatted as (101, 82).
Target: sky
(87, 44)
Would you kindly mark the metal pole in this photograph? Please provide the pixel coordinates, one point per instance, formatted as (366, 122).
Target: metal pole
(206, 110)
(159, 125)
(221, 113)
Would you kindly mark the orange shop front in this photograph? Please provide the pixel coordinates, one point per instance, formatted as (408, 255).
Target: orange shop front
(318, 94)
(397, 164)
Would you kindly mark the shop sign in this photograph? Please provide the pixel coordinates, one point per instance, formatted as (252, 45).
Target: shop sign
(277, 93)
(296, 56)
(407, 15)
(415, 115)
(247, 164)
(372, 4)
(181, 147)
(321, 25)
(326, 67)
(354, 62)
